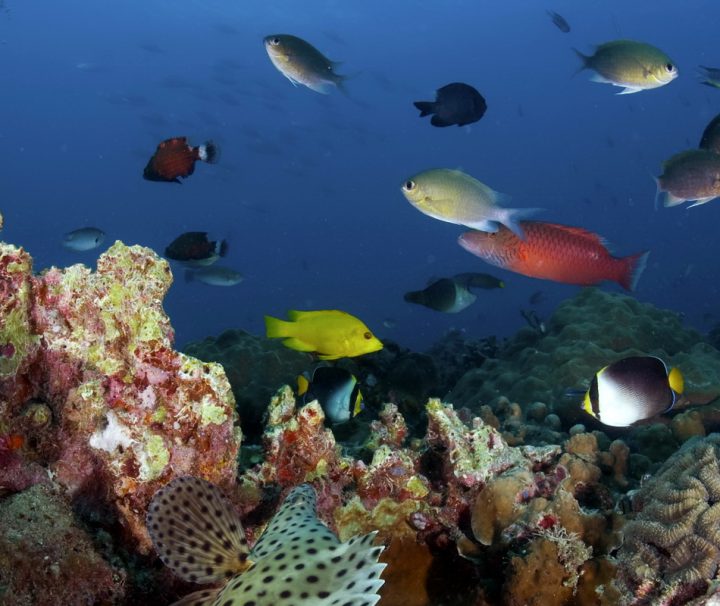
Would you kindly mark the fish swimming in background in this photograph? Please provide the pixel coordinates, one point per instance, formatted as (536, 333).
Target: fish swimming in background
(337, 391)
(692, 175)
(444, 295)
(710, 76)
(301, 63)
(635, 66)
(214, 276)
(571, 255)
(631, 390)
(559, 21)
(195, 249)
(297, 560)
(175, 158)
(329, 333)
(474, 279)
(85, 238)
(455, 197)
(710, 139)
(455, 103)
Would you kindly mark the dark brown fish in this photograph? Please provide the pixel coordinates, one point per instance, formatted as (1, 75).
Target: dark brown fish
(711, 136)
(175, 158)
(195, 249)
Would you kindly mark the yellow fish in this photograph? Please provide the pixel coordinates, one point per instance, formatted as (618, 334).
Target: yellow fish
(329, 333)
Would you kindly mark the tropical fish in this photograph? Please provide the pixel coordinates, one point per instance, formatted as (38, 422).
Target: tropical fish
(633, 65)
(690, 175)
(571, 255)
(455, 103)
(214, 276)
(85, 238)
(710, 139)
(710, 76)
(631, 390)
(336, 389)
(194, 249)
(559, 21)
(297, 560)
(175, 158)
(473, 279)
(301, 63)
(455, 197)
(330, 333)
(446, 295)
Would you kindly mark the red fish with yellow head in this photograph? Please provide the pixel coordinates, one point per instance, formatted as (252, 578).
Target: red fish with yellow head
(561, 253)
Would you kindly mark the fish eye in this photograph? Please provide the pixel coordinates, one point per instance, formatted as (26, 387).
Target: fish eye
(275, 41)
(409, 185)
(368, 335)
(670, 67)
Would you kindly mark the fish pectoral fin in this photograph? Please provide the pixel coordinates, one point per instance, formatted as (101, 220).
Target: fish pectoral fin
(205, 597)
(329, 356)
(629, 90)
(297, 344)
(485, 225)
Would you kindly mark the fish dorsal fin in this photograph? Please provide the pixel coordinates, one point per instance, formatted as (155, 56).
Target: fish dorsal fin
(296, 315)
(206, 597)
(582, 233)
(196, 532)
(295, 518)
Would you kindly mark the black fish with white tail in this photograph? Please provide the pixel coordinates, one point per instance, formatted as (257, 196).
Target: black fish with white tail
(297, 560)
(455, 103)
(175, 158)
(195, 249)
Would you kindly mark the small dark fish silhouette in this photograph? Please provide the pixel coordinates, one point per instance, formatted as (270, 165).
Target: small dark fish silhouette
(175, 158)
(711, 136)
(559, 21)
(195, 249)
(455, 103)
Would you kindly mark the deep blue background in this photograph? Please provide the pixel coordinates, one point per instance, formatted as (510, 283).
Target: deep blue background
(307, 191)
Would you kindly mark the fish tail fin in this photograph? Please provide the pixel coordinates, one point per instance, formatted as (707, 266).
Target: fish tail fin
(511, 218)
(276, 328)
(633, 267)
(222, 248)
(209, 152)
(303, 385)
(426, 107)
(196, 532)
(658, 192)
(584, 62)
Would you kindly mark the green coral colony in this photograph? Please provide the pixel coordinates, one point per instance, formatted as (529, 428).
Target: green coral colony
(134, 449)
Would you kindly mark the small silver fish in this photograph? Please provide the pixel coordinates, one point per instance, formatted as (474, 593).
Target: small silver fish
(85, 238)
(301, 63)
(214, 276)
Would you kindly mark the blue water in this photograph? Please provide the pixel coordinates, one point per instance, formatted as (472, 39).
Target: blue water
(308, 188)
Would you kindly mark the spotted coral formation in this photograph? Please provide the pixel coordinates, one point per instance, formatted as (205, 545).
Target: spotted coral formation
(672, 546)
(126, 411)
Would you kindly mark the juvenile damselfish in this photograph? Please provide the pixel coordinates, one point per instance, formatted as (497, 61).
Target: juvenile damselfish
(561, 253)
(456, 103)
(195, 249)
(175, 158)
(336, 390)
(329, 333)
(297, 560)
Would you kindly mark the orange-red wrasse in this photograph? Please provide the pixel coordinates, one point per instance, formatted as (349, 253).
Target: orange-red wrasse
(555, 252)
(175, 158)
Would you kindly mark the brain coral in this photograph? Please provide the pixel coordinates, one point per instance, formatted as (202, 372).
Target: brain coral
(672, 547)
(585, 333)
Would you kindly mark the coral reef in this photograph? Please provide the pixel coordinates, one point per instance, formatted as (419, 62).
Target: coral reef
(120, 411)
(45, 559)
(671, 550)
(255, 367)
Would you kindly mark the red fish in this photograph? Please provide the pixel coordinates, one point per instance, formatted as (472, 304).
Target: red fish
(175, 158)
(555, 252)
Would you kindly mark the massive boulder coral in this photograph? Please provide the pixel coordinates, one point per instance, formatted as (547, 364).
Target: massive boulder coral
(585, 333)
(127, 412)
(671, 551)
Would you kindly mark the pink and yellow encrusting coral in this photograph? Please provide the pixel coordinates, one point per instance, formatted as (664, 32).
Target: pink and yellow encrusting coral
(128, 412)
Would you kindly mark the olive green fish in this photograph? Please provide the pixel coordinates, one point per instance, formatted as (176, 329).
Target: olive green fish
(690, 175)
(633, 65)
(455, 197)
(301, 63)
(710, 76)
